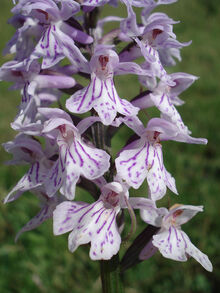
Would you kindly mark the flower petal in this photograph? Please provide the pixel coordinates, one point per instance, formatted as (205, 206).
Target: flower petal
(65, 216)
(90, 223)
(132, 164)
(198, 255)
(171, 243)
(33, 178)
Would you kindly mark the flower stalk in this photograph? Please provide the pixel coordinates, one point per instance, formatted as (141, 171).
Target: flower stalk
(110, 276)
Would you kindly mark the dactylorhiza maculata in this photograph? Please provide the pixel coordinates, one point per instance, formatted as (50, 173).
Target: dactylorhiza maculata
(56, 41)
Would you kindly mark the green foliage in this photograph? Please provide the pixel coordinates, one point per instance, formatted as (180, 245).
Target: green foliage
(40, 262)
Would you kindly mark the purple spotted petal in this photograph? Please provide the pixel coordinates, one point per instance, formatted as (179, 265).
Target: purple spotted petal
(102, 96)
(131, 164)
(158, 178)
(176, 245)
(82, 101)
(151, 55)
(32, 179)
(76, 158)
(98, 226)
(197, 254)
(145, 161)
(164, 104)
(65, 214)
(171, 243)
(90, 223)
(49, 48)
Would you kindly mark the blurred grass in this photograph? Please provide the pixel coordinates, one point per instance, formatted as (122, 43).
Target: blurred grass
(40, 262)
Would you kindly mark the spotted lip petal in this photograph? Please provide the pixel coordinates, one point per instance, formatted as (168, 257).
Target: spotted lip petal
(90, 223)
(102, 96)
(158, 178)
(75, 159)
(164, 104)
(129, 164)
(145, 161)
(176, 245)
(171, 244)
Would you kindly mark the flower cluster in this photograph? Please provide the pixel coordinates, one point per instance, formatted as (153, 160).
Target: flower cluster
(65, 150)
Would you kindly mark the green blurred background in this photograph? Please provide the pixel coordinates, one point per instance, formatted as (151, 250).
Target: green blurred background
(40, 262)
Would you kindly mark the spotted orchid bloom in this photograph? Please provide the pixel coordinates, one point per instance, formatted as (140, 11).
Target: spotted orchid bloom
(38, 88)
(76, 158)
(21, 44)
(163, 100)
(96, 222)
(28, 150)
(58, 37)
(101, 94)
(143, 158)
(157, 36)
(182, 82)
(174, 243)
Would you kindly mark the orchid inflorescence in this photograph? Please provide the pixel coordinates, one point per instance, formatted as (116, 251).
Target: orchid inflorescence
(65, 150)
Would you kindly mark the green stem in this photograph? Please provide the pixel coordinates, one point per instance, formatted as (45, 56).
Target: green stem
(110, 275)
(109, 269)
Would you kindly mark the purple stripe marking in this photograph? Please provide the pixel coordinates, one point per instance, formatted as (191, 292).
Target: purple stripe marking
(99, 230)
(93, 160)
(97, 212)
(162, 98)
(80, 219)
(113, 218)
(106, 87)
(83, 97)
(146, 160)
(134, 157)
(80, 158)
(100, 216)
